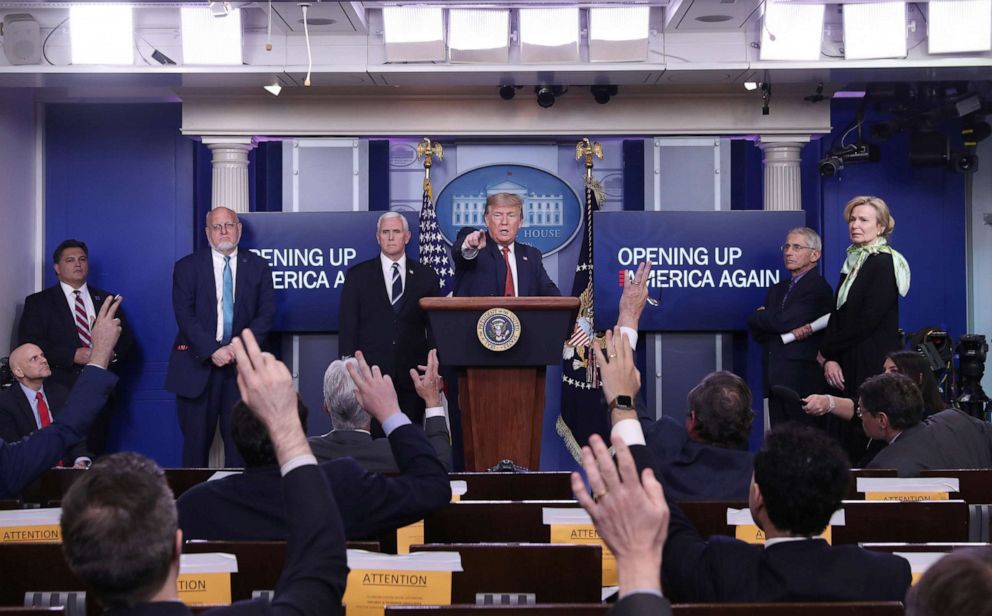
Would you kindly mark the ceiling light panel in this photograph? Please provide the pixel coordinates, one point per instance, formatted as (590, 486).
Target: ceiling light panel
(875, 30)
(101, 34)
(959, 26)
(413, 33)
(619, 34)
(211, 40)
(549, 35)
(478, 35)
(791, 31)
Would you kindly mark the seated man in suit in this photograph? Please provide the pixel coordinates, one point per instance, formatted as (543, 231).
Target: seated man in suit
(351, 436)
(249, 505)
(21, 463)
(31, 405)
(800, 477)
(706, 459)
(492, 262)
(891, 410)
(120, 535)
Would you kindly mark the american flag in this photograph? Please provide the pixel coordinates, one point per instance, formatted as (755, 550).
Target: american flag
(433, 249)
(583, 410)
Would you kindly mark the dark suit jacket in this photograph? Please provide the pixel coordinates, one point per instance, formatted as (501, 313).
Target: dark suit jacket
(48, 322)
(723, 569)
(948, 439)
(485, 274)
(641, 604)
(194, 300)
(249, 506)
(376, 455)
(17, 419)
(789, 364)
(696, 471)
(316, 569)
(21, 463)
(393, 340)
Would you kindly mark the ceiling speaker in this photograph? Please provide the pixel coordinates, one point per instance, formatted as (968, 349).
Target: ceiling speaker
(21, 39)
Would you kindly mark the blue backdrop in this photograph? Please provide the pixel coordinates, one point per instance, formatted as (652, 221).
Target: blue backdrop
(120, 178)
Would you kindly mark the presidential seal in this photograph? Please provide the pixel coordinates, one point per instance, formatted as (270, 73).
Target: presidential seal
(498, 329)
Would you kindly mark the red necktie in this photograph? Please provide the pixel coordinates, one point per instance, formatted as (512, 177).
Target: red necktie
(43, 414)
(82, 321)
(508, 286)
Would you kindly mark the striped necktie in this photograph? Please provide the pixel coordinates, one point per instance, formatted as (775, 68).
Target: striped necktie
(397, 286)
(82, 321)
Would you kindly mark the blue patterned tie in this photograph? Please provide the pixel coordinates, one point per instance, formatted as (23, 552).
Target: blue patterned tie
(397, 286)
(228, 300)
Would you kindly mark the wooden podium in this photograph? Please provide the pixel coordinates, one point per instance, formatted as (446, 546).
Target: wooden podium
(501, 393)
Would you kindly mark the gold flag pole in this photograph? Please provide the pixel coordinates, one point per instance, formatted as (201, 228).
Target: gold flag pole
(427, 150)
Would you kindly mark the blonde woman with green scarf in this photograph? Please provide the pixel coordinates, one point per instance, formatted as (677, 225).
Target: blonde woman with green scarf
(864, 325)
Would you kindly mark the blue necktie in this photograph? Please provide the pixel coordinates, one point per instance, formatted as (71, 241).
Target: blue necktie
(228, 301)
(397, 286)
(792, 285)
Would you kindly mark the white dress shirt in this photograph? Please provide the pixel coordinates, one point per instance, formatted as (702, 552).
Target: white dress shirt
(219, 286)
(387, 272)
(84, 292)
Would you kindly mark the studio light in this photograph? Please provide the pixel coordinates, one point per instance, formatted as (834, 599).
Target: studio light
(549, 35)
(101, 34)
(751, 86)
(791, 31)
(959, 26)
(619, 34)
(547, 95)
(414, 33)
(479, 35)
(603, 94)
(874, 30)
(208, 39)
(273, 89)
(507, 92)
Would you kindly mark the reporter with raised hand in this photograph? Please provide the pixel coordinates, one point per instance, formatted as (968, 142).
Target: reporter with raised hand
(632, 518)
(24, 461)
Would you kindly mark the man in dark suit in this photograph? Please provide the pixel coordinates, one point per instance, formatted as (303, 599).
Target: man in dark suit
(119, 524)
(21, 463)
(800, 477)
(249, 506)
(380, 312)
(492, 262)
(891, 410)
(790, 307)
(215, 293)
(351, 435)
(30, 405)
(706, 459)
(58, 319)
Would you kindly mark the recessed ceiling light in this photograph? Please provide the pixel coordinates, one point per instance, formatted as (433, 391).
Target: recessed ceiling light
(713, 19)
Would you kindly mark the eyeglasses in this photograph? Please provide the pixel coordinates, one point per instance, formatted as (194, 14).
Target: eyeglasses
(227, 226)
(795, 247)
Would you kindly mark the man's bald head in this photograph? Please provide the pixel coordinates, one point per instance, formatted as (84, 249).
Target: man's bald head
(29, 366)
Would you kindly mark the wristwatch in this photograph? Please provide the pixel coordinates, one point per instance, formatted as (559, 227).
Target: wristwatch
(623, 403)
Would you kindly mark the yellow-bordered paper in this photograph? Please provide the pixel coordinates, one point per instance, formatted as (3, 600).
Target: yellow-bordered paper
(746, 530)
(907, 489)
(31, 525)
(377, 580)
(205, 579)
(573, 525)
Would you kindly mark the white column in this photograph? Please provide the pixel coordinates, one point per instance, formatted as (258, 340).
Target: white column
(783, 186)
(230, 171)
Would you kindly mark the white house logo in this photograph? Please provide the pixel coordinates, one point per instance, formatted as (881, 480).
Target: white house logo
(552, 211)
